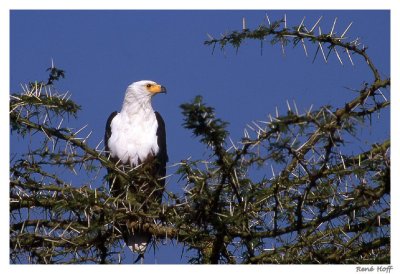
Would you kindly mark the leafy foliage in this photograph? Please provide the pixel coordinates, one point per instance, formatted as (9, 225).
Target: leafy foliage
(201, 119)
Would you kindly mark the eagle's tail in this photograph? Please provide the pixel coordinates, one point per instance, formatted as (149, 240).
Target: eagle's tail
(137, 241)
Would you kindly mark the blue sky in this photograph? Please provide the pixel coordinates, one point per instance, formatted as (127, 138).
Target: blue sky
(103, 52)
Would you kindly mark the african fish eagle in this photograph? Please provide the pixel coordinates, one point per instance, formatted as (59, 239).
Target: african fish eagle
(135, 137)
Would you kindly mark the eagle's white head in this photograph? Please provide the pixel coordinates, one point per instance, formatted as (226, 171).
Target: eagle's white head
(140, 94)
(146, 87)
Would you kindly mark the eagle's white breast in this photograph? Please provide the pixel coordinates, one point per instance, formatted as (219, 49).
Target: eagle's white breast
(133, 137)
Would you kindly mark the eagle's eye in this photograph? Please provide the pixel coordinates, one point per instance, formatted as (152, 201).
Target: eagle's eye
(148, 85)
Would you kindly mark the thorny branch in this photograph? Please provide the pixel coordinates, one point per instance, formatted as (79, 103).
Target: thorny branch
(289, 192)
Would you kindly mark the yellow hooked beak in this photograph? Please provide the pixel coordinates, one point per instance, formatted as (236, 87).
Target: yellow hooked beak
(156, 89)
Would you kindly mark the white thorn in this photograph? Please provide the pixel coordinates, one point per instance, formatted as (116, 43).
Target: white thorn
(304, 47)
(65, 94)
(47, 94)
(294, 141)
(90, 133)
(344, 165)
(250, 127)
(59, 125)
(346, 30)
(284, 20)
(382, 95)
(301, 24)
(266, 16)
(98, 144)
(330, 112)
(315, 25)
(273, 172)
(348, 54)
(323, 53)
(309, 111)
(82, 128)
(246, 133)
(333, 26)
(45, 119)
(260, 128)
(288, 105)
(338, 56)
(233, 144)
(295, 107)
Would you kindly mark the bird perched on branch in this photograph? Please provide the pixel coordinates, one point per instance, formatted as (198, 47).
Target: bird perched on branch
(135, 138)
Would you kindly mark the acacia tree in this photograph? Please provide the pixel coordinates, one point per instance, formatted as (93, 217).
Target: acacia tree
(320, 203)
